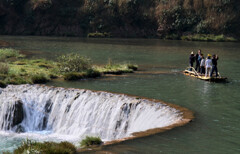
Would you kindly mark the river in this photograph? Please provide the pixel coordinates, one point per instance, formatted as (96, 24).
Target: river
(216, 127)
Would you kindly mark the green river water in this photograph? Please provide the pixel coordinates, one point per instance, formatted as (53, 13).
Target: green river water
(216, 127)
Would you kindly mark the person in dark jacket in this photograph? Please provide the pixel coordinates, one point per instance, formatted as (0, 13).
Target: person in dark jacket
(214, 65)
(198, 60)
(191, 60)
(202, 65)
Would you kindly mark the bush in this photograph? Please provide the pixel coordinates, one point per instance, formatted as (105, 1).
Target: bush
(90, 141)
(172, 37)
(208, 37)
(16, 80)
(118, 69)
(6, 53)
(91, 73)
(99, 35)
(53, 76)
(4, 69)
(74, 76)
(46, 147)
(39, 78)
(133, 67)
(73, 63)
(3, 76)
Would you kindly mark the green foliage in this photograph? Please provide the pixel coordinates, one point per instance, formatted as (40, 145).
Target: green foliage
(121, 18)
(115, 68)
(39, 78)
(29, 68)
(7, 53)
(4, 68)
(176, 20)
(133, 67)
(202, 28)
(73, 63)
(172, 37)
(53, 76)
(39, 71)
(208, 37)
(16, 80)
(74, 76)
(99, 35)
(2, 84)
(44, 65)
(91, 73)
(90, 141)
(47, 147)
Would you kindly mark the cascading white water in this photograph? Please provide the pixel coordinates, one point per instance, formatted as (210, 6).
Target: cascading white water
(71, 114)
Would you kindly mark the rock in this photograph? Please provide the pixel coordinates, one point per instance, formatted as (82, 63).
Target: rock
(18, 114)
(20, 129)
(14, 115)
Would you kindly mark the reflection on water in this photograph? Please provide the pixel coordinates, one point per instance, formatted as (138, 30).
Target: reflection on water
(216, 128)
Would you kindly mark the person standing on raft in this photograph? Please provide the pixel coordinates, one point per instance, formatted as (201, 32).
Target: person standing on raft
(198, 60)
(208, 65)
(191, 60)
(202, 65)
(214, 65)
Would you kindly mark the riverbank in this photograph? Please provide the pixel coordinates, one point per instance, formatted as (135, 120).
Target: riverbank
(16, 69)
(202, 38)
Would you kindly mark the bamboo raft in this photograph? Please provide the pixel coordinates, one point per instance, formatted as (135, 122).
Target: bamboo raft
(190, 71)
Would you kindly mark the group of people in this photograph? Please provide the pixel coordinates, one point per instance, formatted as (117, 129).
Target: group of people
(204, 66)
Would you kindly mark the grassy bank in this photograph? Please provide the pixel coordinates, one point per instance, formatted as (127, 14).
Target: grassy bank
(46, 147)
(15, 69)
(33, 147)
(201, 37)
(208, 38)
(99, 35)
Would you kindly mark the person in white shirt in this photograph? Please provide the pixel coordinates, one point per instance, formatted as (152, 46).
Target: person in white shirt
(208, 65)
(202, 65)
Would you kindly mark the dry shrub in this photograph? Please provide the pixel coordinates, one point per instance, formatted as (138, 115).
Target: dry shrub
(218, 20)
(188, 4)
(211, 3)
(41, 4)
(197, 5)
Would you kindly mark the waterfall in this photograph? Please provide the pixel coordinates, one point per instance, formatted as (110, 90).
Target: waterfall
(76, 113)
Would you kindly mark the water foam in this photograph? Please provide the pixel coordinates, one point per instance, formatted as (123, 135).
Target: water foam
(57, 114)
